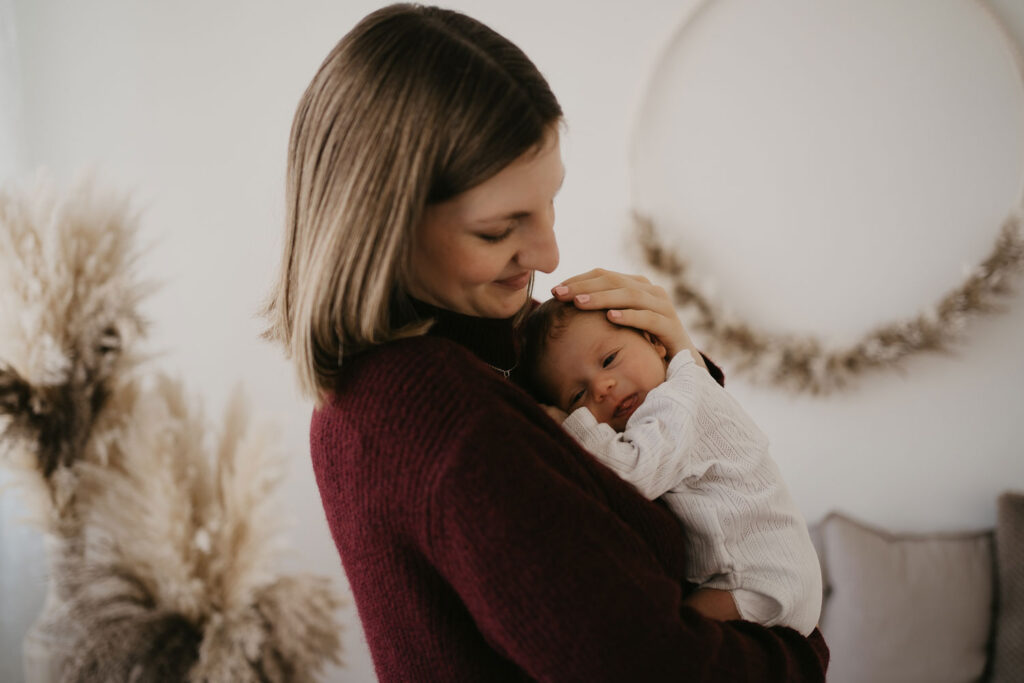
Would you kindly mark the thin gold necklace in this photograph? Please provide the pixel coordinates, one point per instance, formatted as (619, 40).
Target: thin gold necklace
(505, 373)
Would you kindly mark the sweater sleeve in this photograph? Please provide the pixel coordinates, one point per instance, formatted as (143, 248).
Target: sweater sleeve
(559, 584)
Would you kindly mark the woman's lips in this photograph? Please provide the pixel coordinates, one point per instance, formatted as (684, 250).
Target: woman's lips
(627, 406)
(517, 282)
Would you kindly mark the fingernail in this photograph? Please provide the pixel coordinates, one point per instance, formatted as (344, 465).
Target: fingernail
(582, 298)
(615, 314)
(560, 290)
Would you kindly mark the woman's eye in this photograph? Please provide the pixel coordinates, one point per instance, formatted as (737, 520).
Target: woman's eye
(608, 359)
(498, 237)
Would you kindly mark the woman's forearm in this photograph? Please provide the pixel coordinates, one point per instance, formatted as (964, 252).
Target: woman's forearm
(567, 590)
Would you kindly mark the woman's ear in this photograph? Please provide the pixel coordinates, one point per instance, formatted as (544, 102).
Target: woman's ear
(656, 343)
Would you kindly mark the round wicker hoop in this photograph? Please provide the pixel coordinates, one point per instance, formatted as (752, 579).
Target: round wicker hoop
(805, 363)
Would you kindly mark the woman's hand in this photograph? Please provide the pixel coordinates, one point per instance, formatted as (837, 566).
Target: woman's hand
(714, 603)
(632, 301)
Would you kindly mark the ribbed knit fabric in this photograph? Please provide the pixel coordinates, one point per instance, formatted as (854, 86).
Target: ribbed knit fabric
(482, 543)
(692, 443)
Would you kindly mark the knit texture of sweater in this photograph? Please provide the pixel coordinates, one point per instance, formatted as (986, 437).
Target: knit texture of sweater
(482, 543)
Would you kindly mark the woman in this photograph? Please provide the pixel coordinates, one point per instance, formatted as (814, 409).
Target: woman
(481, 543)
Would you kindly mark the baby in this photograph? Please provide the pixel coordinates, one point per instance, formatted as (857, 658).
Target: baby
(666, 426)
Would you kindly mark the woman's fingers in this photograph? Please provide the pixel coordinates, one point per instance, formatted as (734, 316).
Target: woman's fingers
(669, 331)
(598, 280)
(631, 301)
(666, 328)
(602, 274)
(641, 319)
(652, 298)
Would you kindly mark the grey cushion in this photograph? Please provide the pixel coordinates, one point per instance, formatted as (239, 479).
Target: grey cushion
(1008, 656)
(815, 531)
(906, 608)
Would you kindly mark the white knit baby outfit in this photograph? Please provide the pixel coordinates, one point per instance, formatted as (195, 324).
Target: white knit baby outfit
(690, 442)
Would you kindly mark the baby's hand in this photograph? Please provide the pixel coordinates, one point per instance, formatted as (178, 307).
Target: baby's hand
(556, 414)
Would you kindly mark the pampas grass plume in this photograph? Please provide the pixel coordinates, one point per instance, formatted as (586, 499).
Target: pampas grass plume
(164, 548)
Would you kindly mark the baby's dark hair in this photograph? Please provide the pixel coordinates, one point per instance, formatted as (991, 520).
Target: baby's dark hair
(548, 321)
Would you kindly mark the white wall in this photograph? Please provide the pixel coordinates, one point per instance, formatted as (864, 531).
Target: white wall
(21, 550)
(188, 105)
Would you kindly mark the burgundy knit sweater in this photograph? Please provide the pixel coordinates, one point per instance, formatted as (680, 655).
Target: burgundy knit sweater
(483, 544)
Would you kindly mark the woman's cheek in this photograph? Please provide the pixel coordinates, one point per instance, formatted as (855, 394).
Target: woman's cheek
(488, 267)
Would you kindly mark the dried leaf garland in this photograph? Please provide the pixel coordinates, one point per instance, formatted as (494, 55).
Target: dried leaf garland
(804, 363)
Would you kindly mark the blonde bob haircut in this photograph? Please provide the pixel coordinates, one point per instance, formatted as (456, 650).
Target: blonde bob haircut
(413, 106)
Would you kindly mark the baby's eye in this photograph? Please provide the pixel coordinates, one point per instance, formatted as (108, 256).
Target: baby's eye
(609, 359)
(576, 398)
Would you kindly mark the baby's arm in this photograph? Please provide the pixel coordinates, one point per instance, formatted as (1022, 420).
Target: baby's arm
(711, 602)
(653, 451)
(650, 454)
(632, 462)
(556, 414)
(691, 439)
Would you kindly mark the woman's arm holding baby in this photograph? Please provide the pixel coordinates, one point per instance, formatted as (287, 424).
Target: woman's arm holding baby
(714, 603)
(689, 438)
(652, 454)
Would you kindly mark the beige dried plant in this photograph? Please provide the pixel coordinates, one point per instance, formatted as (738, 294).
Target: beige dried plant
(166, 548)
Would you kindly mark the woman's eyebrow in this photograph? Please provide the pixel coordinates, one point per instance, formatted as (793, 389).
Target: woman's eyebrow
(515, 215)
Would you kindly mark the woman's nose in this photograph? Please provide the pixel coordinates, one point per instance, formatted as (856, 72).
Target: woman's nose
(540, 250)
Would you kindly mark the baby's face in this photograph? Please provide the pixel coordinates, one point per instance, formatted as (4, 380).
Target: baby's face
(604, 367)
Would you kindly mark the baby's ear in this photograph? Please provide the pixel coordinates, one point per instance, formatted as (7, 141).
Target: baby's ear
(658, 346)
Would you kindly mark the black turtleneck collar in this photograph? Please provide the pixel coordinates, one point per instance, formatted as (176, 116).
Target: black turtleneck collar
(492, 340)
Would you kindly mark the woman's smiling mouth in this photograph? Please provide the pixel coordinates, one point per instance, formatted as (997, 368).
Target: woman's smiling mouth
(517, 282)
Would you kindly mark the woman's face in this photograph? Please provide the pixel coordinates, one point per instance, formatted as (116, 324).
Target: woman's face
(476, 252)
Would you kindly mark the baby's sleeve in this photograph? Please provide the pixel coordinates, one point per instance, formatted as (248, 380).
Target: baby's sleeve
(691, 440)
(652, 453)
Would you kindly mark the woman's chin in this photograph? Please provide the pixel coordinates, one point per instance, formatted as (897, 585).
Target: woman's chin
(499, 311)
(512, 307)
(501, 304)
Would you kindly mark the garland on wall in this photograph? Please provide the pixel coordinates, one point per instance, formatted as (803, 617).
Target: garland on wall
(805, 363)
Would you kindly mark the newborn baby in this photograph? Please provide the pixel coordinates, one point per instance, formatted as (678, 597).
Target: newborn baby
(666, 426)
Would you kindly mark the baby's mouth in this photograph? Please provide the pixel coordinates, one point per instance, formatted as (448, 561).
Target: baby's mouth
(626, 407)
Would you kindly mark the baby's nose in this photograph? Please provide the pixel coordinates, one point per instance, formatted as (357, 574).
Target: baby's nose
(602, 386)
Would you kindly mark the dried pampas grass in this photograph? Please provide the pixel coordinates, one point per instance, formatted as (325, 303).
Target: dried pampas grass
(164, 548)
(70, 309)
